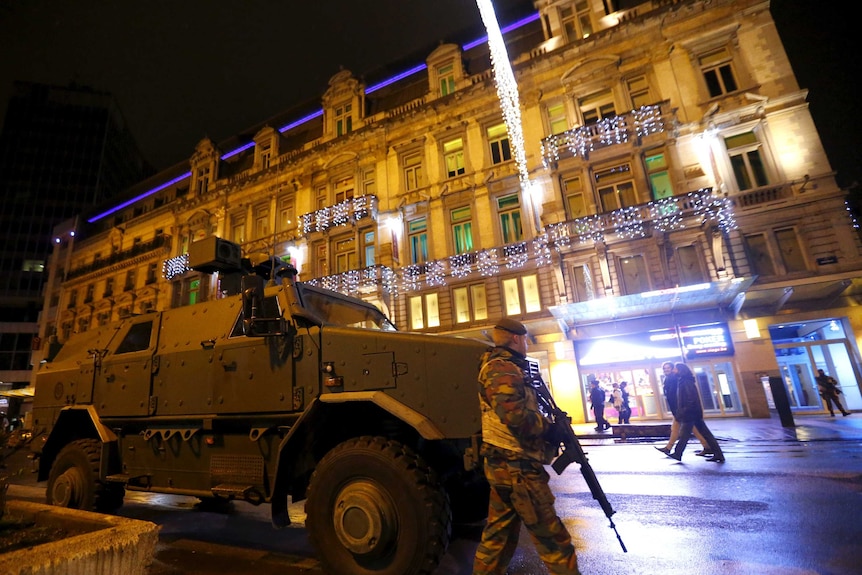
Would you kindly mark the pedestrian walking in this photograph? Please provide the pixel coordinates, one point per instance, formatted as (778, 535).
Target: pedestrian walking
(626, 410)
(597, 401)
(690, 415)
(670, 389)
(830, 391)
(516, 451)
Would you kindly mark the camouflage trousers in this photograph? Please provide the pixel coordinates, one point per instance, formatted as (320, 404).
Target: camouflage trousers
(520, 494)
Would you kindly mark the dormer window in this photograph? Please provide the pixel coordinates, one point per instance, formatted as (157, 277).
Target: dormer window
(343, 119)
(202, 179)
(446, 78)
(445, 70)
(265, 155)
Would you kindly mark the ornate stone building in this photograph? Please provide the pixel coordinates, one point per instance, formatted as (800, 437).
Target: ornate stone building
(679, 205)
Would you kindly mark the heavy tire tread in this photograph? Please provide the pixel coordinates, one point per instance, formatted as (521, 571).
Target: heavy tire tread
(414, 468)
(105, 497)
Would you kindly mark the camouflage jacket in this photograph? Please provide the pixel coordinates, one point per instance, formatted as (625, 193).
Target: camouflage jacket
(503, 391)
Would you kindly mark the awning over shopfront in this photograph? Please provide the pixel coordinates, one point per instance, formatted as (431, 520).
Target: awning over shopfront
(724, 295)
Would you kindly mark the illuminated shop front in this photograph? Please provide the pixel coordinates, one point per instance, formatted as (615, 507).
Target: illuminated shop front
(637, 358)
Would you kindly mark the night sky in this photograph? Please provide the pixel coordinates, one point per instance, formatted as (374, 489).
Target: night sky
(185, 69)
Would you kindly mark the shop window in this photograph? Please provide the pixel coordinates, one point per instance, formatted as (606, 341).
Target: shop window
(597, 106)
(471, 303)
(446, 79)
(509, 213)
(717, 70)
(521, 295)
(576, 203)
(417, 237)
(413, 174)
(658, 176)
(555, 115)
(749, 170)
(461, 222)
(498, 140)
(424, 311)
(690, 266)
(633, 275)
(453, 157)
(639, 92)
(616, 188)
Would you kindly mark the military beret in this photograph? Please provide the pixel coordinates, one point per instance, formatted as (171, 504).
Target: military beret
(512, 326)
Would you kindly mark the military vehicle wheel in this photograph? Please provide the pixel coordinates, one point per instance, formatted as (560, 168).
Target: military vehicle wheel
(375, 507)
(74, 479)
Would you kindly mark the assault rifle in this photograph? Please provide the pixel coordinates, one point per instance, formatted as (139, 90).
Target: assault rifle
(572, 450)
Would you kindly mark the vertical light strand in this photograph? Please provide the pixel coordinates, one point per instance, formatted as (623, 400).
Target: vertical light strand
(507, 92)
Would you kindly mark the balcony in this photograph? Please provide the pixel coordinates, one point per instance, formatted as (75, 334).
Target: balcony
(631, 127)
(158, 242)
(343, 213)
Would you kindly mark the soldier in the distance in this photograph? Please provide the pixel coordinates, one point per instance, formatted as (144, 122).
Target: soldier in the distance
(515, 449)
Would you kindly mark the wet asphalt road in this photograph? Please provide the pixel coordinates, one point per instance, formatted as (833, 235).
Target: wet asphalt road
(777, 506)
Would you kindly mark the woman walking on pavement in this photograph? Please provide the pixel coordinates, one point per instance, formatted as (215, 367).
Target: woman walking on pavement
(670, 392)
(690, 415)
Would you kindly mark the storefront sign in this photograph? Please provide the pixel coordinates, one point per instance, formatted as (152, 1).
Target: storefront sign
(687, 342)
(703, 340)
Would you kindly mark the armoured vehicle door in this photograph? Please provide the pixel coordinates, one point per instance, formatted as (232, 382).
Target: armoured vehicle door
(254, 374)
(123, 375)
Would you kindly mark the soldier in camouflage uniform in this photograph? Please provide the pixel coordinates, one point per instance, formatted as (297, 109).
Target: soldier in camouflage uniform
(515, 452)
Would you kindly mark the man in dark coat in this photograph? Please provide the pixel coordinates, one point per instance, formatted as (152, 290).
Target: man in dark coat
(829, 391)
(689, 411)
(597, 400)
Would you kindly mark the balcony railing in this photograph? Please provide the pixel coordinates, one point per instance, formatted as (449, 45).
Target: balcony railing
(341, 214)
(582, 140)
(158, 242)
(695, 209)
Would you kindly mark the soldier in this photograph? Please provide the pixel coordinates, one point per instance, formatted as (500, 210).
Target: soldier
(829, 391)
(515, 451)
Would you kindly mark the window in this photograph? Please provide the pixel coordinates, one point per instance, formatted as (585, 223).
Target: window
(791, 253)
(109, 287)
(690, 268)
(193, 292)
(130, 281)
(639, 91)
(343, 119)
(343, 189)
(368, 248)
(746, 161)
(633, 275)
(261, 221)
(238, 230)
(597, 106)
(576, 23)
(582, 283)
(498, 139)
(137, 338)
(321, 197)
(345, 254)
(265, 154)
(470, 303)
(658, 176)
(286, 213)
(521, 295)
(151, 273)
(509, 212)
(759, 259)
(90, 291)
(369, 185)
(413, 177)
(576, 204)
(556, 118)
(446, 77)
(616, 189)
(453, 157)
(321, 263)
(424, 311)
(461, 220)
(718, 72)
(417, 236)
(73, 299)
(203, 179)
(33, 266)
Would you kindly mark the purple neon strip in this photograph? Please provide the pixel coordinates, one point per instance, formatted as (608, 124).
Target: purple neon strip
(140, 197)
(383, 84)
(509, 28)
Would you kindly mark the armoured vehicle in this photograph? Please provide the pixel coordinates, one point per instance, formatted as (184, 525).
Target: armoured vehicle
(282, 391)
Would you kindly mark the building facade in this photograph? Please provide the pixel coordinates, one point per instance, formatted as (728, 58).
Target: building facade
(678, 205)
(63, 150)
